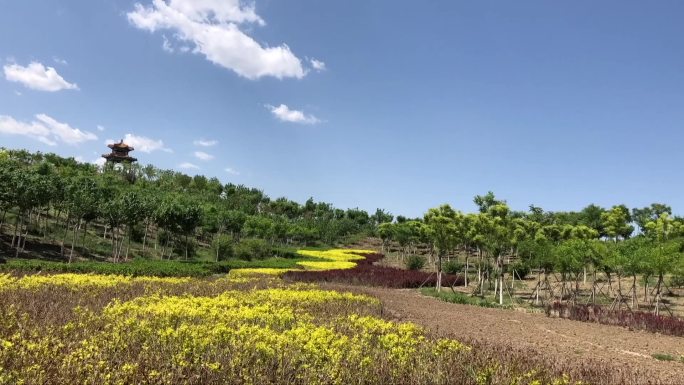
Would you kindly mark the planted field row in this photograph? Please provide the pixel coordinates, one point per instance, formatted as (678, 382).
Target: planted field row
(632, 319)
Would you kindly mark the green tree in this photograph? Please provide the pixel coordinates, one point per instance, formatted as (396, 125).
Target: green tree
(441, 221)
(616, 223)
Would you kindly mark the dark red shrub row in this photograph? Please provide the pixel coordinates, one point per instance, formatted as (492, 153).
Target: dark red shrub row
(368, 274)
(633, 320)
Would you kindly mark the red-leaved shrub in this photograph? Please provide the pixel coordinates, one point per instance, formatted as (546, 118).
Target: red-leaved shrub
(368, 274)
(634, 320)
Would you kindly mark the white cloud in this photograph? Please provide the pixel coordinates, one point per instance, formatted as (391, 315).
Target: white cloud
(211, 28)
(205, 143)
(203, 156)
(59, 60)
(79, 159)
(166, 45)
(64, 132)
(317, 65)
(99, 161)
(188, 166)
(232, 171)
(285, 114)
(38, 77)
(100, 128)
(45, 129)
(143, 143)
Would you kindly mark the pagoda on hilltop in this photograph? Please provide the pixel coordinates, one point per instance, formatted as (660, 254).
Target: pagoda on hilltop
(119, 153)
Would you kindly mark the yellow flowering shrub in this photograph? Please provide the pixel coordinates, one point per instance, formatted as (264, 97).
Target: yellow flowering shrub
(255, 336)
(326, 265)
(333, 259)
(336, 254)
(255, 272)
(78, 281)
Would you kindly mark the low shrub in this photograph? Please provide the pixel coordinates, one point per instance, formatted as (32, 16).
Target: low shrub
(633, 320)
(457, 297)
(222, 247)
(521, 269)
(249, 249)
(415, 262)
(367, 274)
(677, 281)
(285, 252)
(452, 267)
(185, 248)
(136, 267)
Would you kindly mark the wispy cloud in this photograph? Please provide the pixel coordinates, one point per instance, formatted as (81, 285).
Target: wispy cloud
(37, 77)
(285, 114)
(232, 171)
(205, 143)
(59, 60)
(203, 156)
(188, 166)
(45, 129)
(317, 65)
(143, 143)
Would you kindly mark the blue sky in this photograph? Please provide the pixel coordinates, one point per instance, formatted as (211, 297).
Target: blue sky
(399, 105)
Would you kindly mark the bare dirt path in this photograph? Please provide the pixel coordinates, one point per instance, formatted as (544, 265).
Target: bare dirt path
(568, 340)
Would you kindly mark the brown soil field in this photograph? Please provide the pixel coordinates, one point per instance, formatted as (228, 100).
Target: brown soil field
(612, 346)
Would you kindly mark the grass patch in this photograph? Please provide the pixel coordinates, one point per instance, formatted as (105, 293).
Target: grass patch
(662, 357)
(459, 298)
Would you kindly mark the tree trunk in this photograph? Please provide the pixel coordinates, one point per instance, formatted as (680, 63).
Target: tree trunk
(536, 295)
(439, 272)
(186, 247)
(496, 285)
(465, 273)
(658, 294)
(16, 231)
(73, 243)
(20, 224)
(147, 227)
(113, 234)
(128, 246)
(66, 232)
(2, 221)
(634, 293)
(85, 233)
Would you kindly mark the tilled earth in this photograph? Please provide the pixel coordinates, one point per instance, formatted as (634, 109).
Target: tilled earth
(613, 346)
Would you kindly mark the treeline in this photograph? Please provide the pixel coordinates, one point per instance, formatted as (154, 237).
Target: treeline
(568, 246)
(162, 213)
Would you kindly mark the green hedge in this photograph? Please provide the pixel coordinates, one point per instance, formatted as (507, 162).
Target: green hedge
(146, 267)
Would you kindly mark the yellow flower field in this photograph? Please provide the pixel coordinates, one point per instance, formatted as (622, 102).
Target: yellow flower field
(329, 260)
(238, 336)
(248, 327)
